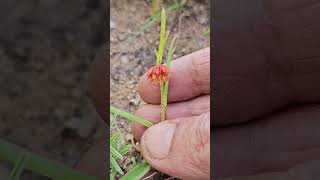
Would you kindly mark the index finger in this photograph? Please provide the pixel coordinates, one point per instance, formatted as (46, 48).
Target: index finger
(189, 78)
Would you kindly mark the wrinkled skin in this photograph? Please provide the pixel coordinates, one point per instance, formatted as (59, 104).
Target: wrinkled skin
(266, 69)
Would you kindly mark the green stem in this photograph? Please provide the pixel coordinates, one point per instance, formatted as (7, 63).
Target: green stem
(164, 87)
(137, 172)
(49, 168)
(163, 105)
(131, 117)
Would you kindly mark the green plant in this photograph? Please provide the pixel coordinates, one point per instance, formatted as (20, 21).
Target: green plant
(26, 160)
(159, 73)
(118, 149)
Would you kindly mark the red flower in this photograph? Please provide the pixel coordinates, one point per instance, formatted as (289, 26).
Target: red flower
(158, 73)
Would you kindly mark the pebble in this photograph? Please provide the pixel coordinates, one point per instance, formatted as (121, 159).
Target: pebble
(121, 36)
(134, 101)
(124, 59)
(112, 25)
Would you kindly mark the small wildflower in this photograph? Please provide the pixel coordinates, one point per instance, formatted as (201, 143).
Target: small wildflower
(158, 73)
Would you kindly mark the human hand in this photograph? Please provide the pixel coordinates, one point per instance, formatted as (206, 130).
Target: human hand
(179, 146)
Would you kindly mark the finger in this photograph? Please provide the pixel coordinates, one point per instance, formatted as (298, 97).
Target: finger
(189, 78)
(179, 147)
(273, 144)
(98, 84)
(193, 107)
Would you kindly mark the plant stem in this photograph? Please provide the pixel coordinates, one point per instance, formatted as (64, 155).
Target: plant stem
(137, 172)
(43, 166)
(163, 105)
(164, 87)
(131, 117)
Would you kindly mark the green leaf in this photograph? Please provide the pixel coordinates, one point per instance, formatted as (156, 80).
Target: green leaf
(116, 166)
(163, 37)
(163, 23)
(126, 149)
(114, 137)
(113, 120)
(115, 152)
(137, 172)
(157, 56)
(113, 174)
(170, 52)
(131, 117)
(18, 168)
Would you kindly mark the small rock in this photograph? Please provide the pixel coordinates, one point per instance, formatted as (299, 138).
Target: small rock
(121, 36)
(203, 19)
(129, 137)
(112, 25)
(124, 59)
(134, 101)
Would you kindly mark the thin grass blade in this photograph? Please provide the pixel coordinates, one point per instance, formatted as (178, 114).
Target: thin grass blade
(126, 149)
(115, 152)
(113, 120)
(131, 117)
(116, 166)
(114, 137)
(170, 52)
(137, 172)
(113, 174)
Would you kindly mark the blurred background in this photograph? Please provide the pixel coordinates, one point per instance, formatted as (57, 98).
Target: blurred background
(46, 47)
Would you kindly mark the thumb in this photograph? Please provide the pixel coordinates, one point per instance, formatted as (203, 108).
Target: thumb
(179, 147)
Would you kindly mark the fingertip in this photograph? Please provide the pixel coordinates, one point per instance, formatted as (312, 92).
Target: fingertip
(148, 91)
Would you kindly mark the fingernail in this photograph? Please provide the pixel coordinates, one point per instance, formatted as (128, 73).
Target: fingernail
(158, 139)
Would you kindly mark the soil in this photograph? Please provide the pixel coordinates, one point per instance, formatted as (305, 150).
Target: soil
(130, 62)
(46, 47)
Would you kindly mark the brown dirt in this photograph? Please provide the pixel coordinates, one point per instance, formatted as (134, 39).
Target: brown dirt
(46, 48)
(130, 62)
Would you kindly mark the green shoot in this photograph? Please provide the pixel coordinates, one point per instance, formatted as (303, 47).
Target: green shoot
(126, 149)
(163, 37)
(113, 174)
(15, 173)
(116, 165)
(159, 56)
(137, 172)
(115, 153)
(131, 117)
(114, 137)
(164, 93)
(113, 120)
(118, 150)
